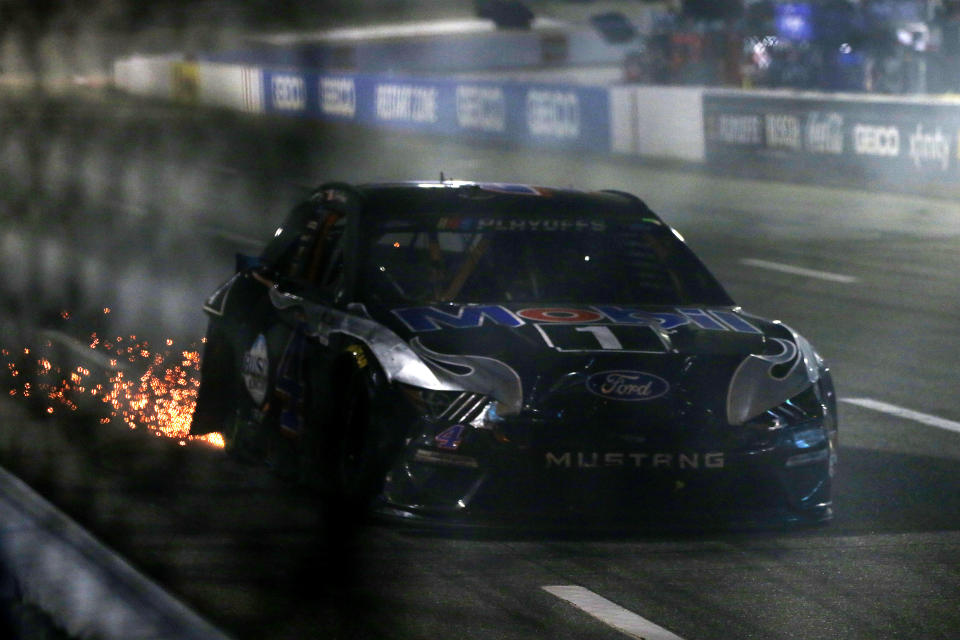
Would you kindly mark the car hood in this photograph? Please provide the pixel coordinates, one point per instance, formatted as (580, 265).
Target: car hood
(595, 363)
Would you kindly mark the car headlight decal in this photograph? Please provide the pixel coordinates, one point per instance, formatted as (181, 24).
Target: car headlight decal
(763, 382)
(480, 374)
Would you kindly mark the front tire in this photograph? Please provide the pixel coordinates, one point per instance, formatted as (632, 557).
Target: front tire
(348, 453)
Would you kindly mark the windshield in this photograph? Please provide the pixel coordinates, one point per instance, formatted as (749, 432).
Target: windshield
(518, 260)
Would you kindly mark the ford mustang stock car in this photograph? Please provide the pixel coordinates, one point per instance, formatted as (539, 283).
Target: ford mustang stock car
(468, 352)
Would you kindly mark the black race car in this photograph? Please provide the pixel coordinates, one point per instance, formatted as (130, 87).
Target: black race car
(465, 351)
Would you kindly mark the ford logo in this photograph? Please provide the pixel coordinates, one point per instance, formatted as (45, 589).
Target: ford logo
(629, 386)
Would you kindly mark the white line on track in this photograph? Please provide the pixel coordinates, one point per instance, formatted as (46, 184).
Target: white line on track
(798, 271)
(611, 614)
(900, 412)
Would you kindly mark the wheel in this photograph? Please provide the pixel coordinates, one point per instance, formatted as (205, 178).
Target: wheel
(346, 453)
(356, 464)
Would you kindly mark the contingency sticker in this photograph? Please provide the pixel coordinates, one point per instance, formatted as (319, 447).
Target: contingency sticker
(255, 368)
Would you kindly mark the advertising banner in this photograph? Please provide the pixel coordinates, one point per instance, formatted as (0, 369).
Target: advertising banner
(851, 141)
(528, 114)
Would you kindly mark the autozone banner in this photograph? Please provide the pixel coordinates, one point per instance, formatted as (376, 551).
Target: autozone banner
(887, 139)
(532, 114)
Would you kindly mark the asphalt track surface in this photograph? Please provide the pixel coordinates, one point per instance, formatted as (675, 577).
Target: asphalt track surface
(140, 207)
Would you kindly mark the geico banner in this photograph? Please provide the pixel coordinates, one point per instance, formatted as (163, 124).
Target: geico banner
(551, 115)
(566, 116)
(289, 92)
(891, 141)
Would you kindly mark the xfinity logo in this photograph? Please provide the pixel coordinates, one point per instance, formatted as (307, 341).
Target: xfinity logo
(628, 386)
(870, 140)
(929, 147)
(289, 93)
(628, 460)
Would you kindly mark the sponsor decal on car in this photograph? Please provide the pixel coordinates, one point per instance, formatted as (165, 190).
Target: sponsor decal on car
(623, 338)
(255, 368)
(528, 224)
(634, 460)
(519, 224)
(419, 319)
(450, 438)
(627, 386)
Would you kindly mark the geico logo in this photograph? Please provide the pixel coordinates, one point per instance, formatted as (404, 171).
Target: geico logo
(869, 140)
(482, 108)
(338, 96)
(289, 93)
(407, 103)
(554, 114)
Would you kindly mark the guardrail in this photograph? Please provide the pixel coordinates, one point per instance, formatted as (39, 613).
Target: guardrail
(89, 591)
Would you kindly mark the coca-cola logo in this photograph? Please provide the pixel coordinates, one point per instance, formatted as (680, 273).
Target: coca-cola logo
(629, 386)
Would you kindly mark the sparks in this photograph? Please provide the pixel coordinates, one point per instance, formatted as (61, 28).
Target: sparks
(161, 397)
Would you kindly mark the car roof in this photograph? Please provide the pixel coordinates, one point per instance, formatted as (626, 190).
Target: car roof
(453, 197)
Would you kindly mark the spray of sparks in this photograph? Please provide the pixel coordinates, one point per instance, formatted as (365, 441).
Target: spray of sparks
(160, 396)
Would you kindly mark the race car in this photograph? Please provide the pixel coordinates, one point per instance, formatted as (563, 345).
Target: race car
(463, 351)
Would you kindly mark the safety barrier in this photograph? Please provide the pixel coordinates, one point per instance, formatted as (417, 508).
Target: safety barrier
(86, 589)
(895, 143)
(538, 114)
(146, 75)
(645, 121)
(659, 122)
(533, 114)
